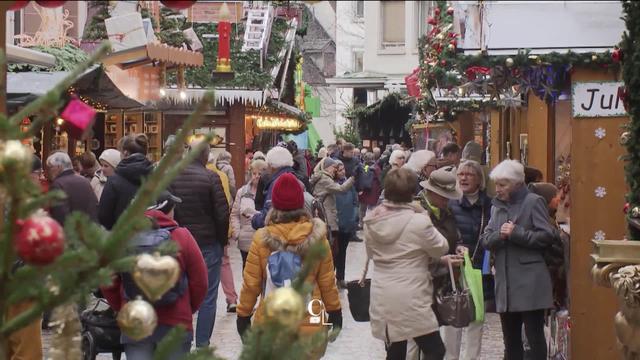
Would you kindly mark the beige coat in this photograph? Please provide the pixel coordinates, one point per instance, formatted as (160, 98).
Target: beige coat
(402, 242)
(324, 189)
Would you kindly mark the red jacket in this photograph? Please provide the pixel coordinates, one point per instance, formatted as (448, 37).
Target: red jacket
(191, 261)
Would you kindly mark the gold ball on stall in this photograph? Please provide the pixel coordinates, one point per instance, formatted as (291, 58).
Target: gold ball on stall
(137, 319)
(285, 306)
(625, 137)
(509, 62)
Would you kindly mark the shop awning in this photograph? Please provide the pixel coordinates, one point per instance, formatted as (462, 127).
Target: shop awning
(24, 87)
(151, 52)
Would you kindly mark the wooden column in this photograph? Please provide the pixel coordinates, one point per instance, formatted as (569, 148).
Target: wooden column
(236, 144)
(594, 163)
(496, 145)
(541, 145)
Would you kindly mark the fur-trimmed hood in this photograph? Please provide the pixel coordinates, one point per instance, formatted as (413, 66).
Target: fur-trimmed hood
(296, 237)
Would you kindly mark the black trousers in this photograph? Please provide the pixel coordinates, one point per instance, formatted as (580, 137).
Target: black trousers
(340, 256)
(244, 255)
(534, 329)
(430, 346)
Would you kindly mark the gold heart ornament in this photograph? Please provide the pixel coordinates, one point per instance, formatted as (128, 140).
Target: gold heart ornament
(155, 274)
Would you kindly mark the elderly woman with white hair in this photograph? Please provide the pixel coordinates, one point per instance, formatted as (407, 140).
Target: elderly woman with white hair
(471, 213)
(518, 234)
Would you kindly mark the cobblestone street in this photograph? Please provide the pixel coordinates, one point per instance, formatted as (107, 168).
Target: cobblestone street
(355, 340)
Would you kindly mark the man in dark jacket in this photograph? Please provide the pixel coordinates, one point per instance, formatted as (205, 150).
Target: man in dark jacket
(121, 188)
(79, 195)
(352, 164)
(205, 212)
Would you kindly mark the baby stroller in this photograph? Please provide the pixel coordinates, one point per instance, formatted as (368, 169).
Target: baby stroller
(100, 333)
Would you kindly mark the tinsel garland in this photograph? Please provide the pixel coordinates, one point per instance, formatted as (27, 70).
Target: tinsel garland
(631, 76)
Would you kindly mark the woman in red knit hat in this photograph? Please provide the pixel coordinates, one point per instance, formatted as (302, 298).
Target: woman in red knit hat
(289, 227)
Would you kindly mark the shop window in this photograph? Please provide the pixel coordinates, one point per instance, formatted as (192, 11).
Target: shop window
(423, 11)
(359, 10)
(358, 61)
(392, 13)
(359, 97)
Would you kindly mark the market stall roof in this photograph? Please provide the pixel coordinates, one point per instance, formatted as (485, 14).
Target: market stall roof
(155, 51)
(363, 79)
(23, 87)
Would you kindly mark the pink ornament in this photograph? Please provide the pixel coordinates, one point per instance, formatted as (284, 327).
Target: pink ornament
(450, 11)
(432, 21)
(78, 117)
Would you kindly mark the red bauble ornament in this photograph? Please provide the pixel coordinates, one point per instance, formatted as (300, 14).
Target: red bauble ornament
(616, 55)
(432, 21)
(180, 5)
(436, 12)
(19, 4)
(40, 240)
(450, 11)
(454, 42)
(443, 62)
(50, 3)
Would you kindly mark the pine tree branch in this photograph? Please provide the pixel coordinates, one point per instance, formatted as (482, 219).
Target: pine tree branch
(51, 100)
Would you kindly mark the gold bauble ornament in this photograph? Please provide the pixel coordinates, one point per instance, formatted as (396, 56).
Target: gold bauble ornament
(625, 137)
(155, 274)
(509, 62)
(594, 57)
(635, 212)
(285, 306)
(137, 319)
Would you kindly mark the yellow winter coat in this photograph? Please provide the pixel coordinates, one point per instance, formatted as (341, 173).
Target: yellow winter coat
(296, 237)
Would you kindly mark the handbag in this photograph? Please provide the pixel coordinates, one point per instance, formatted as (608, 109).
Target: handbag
(359, 293)
(455, 307)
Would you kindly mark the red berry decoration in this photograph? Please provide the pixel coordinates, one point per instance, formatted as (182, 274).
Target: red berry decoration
(432, 21)
(454, 42)
(450, 11)
(179, 5)
(443, 62)
(19, 4)
(616, 55)
(437, 11)
(50, 3)
(40, 240)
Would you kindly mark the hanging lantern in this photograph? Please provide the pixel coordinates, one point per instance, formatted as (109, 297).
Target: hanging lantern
(78, 118)
(50, 3)
(17, 5)
(178, 5)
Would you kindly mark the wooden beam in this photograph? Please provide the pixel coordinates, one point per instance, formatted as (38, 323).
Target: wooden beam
(123, 56)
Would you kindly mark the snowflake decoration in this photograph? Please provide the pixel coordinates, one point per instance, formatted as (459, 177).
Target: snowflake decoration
(599, 235)
(600, 133)
(601, 191)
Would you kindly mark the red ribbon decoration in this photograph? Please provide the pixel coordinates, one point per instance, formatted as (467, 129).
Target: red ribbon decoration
(473, 71)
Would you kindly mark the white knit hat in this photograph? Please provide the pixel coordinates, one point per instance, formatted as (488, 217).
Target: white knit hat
(279, 157)
(111, 157)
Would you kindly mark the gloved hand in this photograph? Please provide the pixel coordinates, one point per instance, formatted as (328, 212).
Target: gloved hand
(335, 318)
(243, 324)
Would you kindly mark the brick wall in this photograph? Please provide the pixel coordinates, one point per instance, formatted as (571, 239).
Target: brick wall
(207, 12)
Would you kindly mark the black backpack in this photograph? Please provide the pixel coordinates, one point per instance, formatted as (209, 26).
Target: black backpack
(148, 242)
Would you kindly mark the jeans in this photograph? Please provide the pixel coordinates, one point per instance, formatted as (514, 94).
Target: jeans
(212, 255)
(244, 255)
(226, 278)
(430, 345)
(534, 329)
(340, 256)
(453, 341)
(144, 349)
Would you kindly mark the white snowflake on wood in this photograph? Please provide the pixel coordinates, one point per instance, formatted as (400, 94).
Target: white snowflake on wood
(600, 133)
(600, 192)
(599, 235)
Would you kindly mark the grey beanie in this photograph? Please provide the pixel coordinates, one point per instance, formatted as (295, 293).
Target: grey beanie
(328, 162)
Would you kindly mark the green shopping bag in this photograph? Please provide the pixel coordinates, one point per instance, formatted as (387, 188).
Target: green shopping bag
(473, 277)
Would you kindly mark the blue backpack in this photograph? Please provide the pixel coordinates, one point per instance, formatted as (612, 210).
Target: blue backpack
(282, 267)
(148, 242)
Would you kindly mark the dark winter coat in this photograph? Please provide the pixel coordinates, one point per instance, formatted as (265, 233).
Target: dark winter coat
(444, 222)
(300, 166)
(191, 262)
(204, 209)
(371, 196)
(79, 196)
(522, 280)
(353, 168)
(121, 188)
(347, 205)
(468, 218)
(263, 202)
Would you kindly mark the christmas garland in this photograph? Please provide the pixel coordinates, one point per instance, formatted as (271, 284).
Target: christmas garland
(631, 97)
(384, 119)
(504, 79)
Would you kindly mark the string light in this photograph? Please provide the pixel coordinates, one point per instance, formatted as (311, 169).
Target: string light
(183, 95)
(59, 121)
(163, 92)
